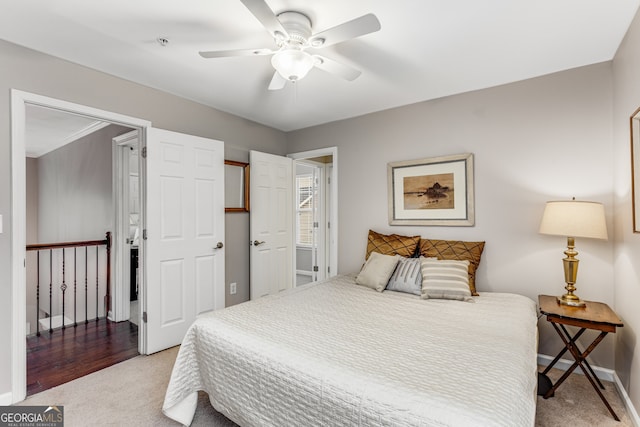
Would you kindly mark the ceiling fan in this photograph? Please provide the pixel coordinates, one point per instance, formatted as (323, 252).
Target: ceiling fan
(293, 36)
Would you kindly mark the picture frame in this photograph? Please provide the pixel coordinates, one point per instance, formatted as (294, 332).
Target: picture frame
(634, 128)
(434, 191)
(236, 186)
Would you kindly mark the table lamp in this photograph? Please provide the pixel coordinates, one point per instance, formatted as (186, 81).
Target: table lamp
(573, 218)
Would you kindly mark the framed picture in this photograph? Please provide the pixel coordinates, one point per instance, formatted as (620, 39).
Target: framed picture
(433, 191)
(634, 123)
(236, 186)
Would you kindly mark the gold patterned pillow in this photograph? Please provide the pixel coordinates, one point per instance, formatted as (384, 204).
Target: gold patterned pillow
(391, 244)
(455, 250)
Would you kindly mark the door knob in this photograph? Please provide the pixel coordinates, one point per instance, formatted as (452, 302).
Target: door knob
(257, 242)
(219, 245)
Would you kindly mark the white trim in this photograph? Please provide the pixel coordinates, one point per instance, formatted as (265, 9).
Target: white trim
(332, 232)
(19, 100)
(628, 404)
(304, 273)
(18, 250)
(564, 364)
(120, 249)
(5, 399)
(93, 127)
(602, 373)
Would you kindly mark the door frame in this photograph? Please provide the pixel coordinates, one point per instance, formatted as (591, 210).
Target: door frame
(120, 244)
(318, 249)
(331, 217)
(19, 101)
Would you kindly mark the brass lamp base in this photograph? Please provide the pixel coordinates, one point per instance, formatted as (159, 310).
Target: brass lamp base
(570, 274)
(571, 300)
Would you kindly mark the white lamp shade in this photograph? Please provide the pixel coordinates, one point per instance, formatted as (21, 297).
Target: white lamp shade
(574, 219)
(292, 64)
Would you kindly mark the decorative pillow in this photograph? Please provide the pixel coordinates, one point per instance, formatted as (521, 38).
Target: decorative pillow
(376, 271)
(455, 250)
(391, 244)
(407, 277)
(445, 279)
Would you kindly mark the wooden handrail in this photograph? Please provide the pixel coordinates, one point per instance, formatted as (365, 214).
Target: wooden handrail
(40, 246)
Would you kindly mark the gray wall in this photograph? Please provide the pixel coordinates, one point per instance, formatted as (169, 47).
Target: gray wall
(75, 189)
(237, 243)
(626, 79)
(533, 141)
(34, 72)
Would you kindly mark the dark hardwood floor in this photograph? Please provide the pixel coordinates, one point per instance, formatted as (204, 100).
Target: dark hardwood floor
(64, 355)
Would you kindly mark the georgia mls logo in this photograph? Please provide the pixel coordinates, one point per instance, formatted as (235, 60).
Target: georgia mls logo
(32, 416)
(53, 408)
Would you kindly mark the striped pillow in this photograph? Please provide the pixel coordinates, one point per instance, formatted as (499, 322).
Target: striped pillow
(445, 279)
(407, 277)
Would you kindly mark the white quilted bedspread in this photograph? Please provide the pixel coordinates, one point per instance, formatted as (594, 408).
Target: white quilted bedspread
(339, 354)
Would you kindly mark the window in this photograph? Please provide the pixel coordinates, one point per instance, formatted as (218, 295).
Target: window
(304, 209)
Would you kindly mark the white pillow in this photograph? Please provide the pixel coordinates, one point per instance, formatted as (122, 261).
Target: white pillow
(377, 270)
(445, 279)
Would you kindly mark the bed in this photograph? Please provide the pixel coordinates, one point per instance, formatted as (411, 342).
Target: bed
(334, 353)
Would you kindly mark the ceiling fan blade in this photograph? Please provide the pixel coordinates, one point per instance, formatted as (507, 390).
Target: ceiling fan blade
(349, 30)
(261, 10)
(236, 52)
(277, 82)
(334, 67)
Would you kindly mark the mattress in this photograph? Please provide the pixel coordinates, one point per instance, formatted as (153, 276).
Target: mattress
(337, 354)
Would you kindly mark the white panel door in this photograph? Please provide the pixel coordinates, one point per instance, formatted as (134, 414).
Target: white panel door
(272, 237)
(185, 234)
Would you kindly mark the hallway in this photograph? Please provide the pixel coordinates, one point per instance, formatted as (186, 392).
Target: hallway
(64, 355)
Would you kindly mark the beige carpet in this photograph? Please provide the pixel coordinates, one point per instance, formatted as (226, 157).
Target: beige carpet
(131, 393)
(576, 404)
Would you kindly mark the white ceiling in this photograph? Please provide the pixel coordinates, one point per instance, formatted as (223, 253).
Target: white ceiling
(426, 49)
(47, 129)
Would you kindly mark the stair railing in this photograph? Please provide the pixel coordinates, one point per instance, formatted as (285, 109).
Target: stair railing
(64, 248)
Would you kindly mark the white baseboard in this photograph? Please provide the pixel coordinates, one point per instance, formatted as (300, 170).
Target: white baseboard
(631, 410)
(564, 364)
(602, 373)
(6, 399)
(304, 273)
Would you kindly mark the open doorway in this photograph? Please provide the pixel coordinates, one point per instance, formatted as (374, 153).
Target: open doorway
(126, 191)
(315, 203)
(70, 209)
(21, 102)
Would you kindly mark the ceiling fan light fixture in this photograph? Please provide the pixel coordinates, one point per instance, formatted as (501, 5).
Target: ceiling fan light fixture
(292, 64)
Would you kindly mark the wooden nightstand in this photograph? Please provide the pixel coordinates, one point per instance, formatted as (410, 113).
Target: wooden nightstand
(595, 316)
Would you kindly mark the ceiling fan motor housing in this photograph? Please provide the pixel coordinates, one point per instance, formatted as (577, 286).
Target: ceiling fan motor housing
(298, 26)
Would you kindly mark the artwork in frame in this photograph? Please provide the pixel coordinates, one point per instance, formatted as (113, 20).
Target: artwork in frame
(432, 191)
